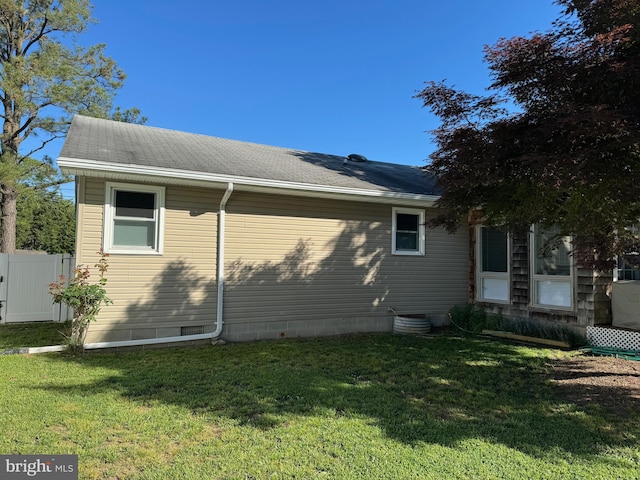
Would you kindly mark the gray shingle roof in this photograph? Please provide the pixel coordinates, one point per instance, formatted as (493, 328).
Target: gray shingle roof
(112, 142)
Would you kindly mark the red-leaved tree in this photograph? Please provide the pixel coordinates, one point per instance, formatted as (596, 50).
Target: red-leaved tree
(569, 153)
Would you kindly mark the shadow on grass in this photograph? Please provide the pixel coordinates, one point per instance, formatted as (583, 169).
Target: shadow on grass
(436, 390)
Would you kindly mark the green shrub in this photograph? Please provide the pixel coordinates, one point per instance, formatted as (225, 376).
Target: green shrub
(469, 318)
(472, 319)
(543, 329)
(84, 297)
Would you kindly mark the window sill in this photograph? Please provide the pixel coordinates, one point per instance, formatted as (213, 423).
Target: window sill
(408, 254)
(132, 252)
(492, 301)
(551, 309)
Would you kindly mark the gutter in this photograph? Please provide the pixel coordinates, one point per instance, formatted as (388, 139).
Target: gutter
(135, 173)
(222, 213)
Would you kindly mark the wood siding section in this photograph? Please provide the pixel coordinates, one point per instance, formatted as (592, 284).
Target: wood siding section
(294, 267)
(592, 304)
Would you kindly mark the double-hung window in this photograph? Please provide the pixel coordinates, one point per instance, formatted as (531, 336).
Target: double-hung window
(133, 219)
(492, 266)
(408, 236)
(552, 272)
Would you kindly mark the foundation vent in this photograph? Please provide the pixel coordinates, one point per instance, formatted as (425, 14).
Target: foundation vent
(192, 330)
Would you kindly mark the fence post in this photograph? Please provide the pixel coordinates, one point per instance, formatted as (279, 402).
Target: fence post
(59, 268)
(64, 311)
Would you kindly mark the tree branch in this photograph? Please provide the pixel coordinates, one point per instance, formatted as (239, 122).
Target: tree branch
(52, 183)
(43, 144)
(38, 36)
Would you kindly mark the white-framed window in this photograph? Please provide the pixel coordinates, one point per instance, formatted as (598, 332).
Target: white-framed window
(628, 265)
(133, 218)
(408, 237)
(551, 269)
(492, 265)
(626, 269)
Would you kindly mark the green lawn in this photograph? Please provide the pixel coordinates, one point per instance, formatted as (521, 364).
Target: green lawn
(36, 334)
(372, 407)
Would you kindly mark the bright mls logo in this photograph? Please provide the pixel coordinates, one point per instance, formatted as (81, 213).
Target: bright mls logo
(50, 467)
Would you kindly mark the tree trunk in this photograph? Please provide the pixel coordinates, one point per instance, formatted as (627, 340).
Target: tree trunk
(9, 213)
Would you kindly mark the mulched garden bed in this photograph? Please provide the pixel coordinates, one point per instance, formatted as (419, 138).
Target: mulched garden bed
(612, 383)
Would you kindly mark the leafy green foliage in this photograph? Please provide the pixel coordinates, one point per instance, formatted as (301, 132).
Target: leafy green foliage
(46, 76)
(84, 297)
(130, 115)
(541, 329)
(45, 222)
(570, 154)
(473, 319)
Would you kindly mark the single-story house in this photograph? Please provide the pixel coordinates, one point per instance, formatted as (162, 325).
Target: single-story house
(210, 236)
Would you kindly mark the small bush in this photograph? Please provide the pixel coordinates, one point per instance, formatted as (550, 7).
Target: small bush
(543, 329)
(472, 319)
(469, 318)
(84, 297)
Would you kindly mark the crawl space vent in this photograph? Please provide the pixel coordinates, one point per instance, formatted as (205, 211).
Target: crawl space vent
(193, 330)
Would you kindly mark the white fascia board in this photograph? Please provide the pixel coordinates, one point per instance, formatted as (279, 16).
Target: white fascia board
(124, 172)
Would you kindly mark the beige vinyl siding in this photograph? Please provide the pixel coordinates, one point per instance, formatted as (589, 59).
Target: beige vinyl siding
(446, 277)
(295, 262)
(293, 267)
(155, 295)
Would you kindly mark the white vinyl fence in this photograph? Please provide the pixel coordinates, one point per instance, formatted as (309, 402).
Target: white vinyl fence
(24, 287)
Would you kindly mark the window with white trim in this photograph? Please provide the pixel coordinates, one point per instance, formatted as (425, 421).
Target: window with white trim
(492, 265)
(627, 267)
(552, 271)
(628, 264)
(133, 219)
(408, 237)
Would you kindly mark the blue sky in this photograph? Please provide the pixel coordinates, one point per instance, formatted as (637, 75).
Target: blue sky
(327, 76)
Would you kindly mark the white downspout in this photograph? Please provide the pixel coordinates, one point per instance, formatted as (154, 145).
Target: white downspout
(154, 341)
(222, 213)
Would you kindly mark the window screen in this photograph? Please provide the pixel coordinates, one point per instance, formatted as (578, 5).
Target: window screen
(135, 204)
(552, 253)
(494, 250)
(407, 231)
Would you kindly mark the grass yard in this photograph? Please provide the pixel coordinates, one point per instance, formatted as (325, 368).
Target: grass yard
(36, 334)
(371, 406)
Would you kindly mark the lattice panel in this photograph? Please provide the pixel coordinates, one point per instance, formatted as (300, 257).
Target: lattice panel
(613, 338)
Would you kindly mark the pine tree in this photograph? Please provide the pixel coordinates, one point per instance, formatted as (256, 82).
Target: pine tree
(45, 77)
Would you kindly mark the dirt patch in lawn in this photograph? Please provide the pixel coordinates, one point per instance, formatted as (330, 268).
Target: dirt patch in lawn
(612, 383)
